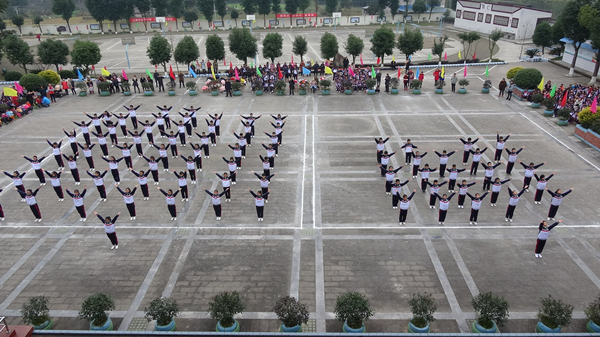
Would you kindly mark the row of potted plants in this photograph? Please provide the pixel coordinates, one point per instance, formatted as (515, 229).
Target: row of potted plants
(563, 114)
(352, 308)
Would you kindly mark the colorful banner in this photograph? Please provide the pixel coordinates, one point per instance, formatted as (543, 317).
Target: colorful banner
(298, 15)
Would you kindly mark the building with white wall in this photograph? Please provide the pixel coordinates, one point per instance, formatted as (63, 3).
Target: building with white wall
(586, 58)
(516, 21)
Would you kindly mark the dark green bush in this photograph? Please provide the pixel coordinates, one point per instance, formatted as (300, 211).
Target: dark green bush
(67, 74)
(12, 76)
(32, 82)
(528, 78)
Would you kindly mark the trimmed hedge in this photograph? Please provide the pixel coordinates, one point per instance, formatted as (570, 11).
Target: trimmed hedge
(512, 72)
(12, 76)
(67, 74)
(32, 82)
(587, 118)
(528, 78)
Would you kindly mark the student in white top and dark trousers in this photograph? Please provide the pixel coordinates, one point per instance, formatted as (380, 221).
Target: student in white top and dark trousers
(543, 233)
(380, 147)
(512, 203)
(529, 172)
(542, 181)
(396, 188)
(404, 204)
(259, 202)
(128, 198)
(170, 197)
(36, 165)
(512, 158)
(78, 201)
(55, 181)
(556, 200)
(443, 160)
(444, 204)
(476, 158)
(109, 228)
(475, 206)
(408, 150)
(143, 182)
(216, 201)
(29, 197)
(500, 142)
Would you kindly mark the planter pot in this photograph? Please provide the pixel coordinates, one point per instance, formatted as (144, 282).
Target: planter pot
(148, 93)
(107, 326)
(302, 92)
(588, 136)
(82, 93)
(348, 329)
(592, 327)
(462, 90)
(193, 92)
(348, 92)
(234, 328)
(548, 113)
(413, 329)
(562, 123)
(168, 327)
(47, 325)
(297, 328)
(371, 91)
(394, 91)
(325, 92)
(542, 328)
(439, 91)
(416, 91)
(518, 92)
(215, 93)
(258, 92)
(126, 93)
(535, 105)
(171, 93)
(485, 90)
(237, 93)
(476, 328)
(281, 93)
(104, 93)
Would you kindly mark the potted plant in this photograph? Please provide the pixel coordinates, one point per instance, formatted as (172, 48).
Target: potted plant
(147, 86)
(236, 87)
(163, 310)
(371, 82)
(347, 85)
(258, 87)
(104, 88)
(549, 104)
(394, 82)
(303, 87)
(82, 86)
(214, 86)
(125, 87)
(487, 84)
(94, 310)
(354, 310)
(280, 87)
(439, 88)
(223, 307)
(563, 116)
(553, 315)
(171, 88)
(463, 83)
(291, 313)
(415, 85)
(491, 311)
(191, 87)
(325, 84)
(592, 311)
(536, 100)
(36, 313)
(422, 307)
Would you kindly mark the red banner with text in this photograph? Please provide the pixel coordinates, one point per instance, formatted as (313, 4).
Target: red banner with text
(299, 15)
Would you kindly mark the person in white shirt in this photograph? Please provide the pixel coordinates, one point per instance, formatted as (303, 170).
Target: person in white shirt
(543, 234)
(216, 201)
(109, 228)
(29, 197)
(78, 201)
(475, 206)
(259, 201)
(404, 204)
(170, 197)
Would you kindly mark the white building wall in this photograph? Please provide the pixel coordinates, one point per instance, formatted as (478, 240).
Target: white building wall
(585, 58)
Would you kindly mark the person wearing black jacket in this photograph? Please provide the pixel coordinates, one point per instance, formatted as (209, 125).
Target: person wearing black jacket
(543, 233)
(292, 84)
(228, 89)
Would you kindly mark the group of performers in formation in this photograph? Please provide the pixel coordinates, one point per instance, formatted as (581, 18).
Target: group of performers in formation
(183, 129)
(491, 185)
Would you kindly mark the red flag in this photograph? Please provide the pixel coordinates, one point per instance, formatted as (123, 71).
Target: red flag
(269, 25)
(280, 74)
(292, 59)
(399, 72)
(564, 99)
(60, 68)
(230, 64)
(105, 68)
(474, 55)
(224, 63)
(378, 60)
(156, 66)
(171, 73)
(93, 68)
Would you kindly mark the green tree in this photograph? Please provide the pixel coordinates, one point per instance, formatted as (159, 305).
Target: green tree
(419, 7)
(17, 52)
(542, 36)
(329, 46)
(234, 15)
(175, 9)
(493, 38)
(2, 24)
(291, 6)
(590, 17)
(354, 46)
(65, 9)
(37, 20)
(438, 47)
(394, 5)
(272, 46)
(186, 51)
(382, 42)
(264, 8)
(300, 46)
(18, 21)
(32, 82)
(468, 38)
(190, 16)
(276, 6)
(242, 44)
(3, 5)
(215, 48)
(85, 53)
(303, 5)
(221, 7)
(159, 51)
(249, 6)
(207, 9)
(53, 52)
(572, 29)
(432, 4)
(97, 11)
(410, 42)
(330, 6)
(115, 10)
(160, 7)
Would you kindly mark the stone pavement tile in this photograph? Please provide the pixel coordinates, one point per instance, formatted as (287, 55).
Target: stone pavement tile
(457, 282)
(338, 128)
(528, 325)
(365, 232)
(82, 268)
(341, 103)
(482, 103)
(409, 104)
(403, 268)
(307, 288)
(216, 266)
(394, 326)
(425, 125)
(209, 325)
(519, 276)
(587, 257)
(160, 280)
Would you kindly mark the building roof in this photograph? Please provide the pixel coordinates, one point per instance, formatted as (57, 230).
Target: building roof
(586, 45)
(435, 9)
(504, 8)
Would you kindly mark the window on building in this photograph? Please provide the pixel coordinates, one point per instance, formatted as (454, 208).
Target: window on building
(458, 13)
(479, 17)
(514, 23)
(469, 15)
(488, 18)
(501, 20)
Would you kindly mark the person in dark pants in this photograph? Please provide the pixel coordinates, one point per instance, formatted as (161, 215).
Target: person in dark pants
(159, 81)
(228, 90)
(387, 82)
(259, 201)
(544, 232)
(453, 81)
(136, 87)
(292, 84)
(109, 228)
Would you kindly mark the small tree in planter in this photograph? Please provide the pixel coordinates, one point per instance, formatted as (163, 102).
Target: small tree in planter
(415, 85)
(94, 310)
(191, 87)
(126, 88)
(463, 83)
(82, 86)
(104, 88)
(223, 307)
(291, 313)
(163, 310)
(553, 314)
(258, 86)
(536, 100)
(371, 82)
(236, 87)
(422, 307)
(214, 86)
(280, 87)
(491, 311)
(347, 85)
(592, 311)
(36, 313)
(549, 104)
(439, 87)
(487, 84)
(563, 116)
(353, 309)
(171, 88)
(147, 86)
(394, 83)
(325, 84)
